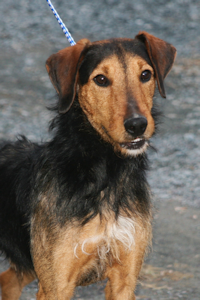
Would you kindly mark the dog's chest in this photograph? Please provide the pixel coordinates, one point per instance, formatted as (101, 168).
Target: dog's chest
(101, 243)
(102, 235)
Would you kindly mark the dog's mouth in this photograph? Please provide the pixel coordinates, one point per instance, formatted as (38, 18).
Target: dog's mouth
(136, 144)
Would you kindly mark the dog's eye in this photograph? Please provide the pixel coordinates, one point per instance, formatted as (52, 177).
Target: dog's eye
(145, 76)
(101, 80)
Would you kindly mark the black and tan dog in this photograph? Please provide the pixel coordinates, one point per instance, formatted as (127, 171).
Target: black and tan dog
(77, 209)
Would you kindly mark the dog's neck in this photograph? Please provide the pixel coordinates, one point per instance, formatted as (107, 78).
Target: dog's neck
(86, 164)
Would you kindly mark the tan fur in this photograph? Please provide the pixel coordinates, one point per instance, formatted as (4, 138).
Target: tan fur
(80, 256)
(106, 108)
(12, 283)
(122, 278)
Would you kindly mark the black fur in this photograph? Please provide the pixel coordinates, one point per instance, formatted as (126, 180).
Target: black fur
(16, 166)
(78, 165)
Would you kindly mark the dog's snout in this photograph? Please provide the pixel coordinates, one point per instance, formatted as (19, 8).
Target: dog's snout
(136, 125)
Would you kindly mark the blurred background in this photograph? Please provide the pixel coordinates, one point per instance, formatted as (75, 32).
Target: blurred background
(29, 34)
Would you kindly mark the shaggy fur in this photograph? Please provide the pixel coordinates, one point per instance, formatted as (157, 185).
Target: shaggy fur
(77, 209)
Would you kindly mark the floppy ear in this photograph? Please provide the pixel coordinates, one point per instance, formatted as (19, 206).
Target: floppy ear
(62, 68)
(162, 56)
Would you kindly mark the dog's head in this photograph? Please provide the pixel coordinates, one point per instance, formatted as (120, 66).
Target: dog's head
(115, 81)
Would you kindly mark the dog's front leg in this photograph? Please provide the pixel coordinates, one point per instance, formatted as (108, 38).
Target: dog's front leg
(52, 262)
(121, 284)
(123, 275)
(13, 283)
(58, 262)
(59, 269)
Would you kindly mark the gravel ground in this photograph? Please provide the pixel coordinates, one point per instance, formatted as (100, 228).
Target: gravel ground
(29, 34)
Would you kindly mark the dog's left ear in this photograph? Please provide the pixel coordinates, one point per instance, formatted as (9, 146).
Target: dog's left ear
(162, 56)
(62, 68)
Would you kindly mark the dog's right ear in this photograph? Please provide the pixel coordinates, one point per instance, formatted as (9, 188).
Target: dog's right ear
(62, 68)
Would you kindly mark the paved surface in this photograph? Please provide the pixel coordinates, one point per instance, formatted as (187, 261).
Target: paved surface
(29, 34)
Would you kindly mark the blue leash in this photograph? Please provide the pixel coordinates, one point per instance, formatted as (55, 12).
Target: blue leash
(62, 25)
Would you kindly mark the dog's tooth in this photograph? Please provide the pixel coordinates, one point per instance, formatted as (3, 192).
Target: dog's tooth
(137, 140)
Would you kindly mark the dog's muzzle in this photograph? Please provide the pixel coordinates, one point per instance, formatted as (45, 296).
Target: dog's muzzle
(135, 126)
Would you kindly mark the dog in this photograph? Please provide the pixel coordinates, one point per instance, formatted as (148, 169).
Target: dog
(77, 209)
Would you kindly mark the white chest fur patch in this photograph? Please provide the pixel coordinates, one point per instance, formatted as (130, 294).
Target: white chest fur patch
(119, 231)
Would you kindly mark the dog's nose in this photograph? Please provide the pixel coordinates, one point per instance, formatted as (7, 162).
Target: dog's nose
(136, 125)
